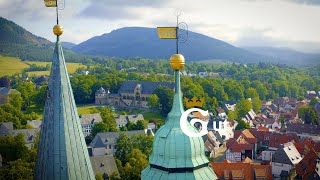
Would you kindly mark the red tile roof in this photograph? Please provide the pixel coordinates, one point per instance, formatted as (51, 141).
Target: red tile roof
(245, 171)
(263, 171)
(307, 165)
(261, 128)
(240, 147)
(224, 170)
(277, 138)
(246, 134)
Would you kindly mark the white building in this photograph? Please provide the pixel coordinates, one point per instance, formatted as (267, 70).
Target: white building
(88, 121)
(105, 143)
(285, 158)
(122, 120)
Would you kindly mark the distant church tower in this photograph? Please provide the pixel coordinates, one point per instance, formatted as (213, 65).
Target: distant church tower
(62, 152)
(174, 154)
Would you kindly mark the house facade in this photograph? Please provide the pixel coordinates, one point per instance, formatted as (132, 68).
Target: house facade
(88, 121)
(284, 159)
(105, 143)
(122, 120)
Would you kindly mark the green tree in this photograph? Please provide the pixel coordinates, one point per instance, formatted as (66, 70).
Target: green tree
(232, 115)
(251, 93)
(142, 142)
(308, 114)
(124, 147)
(99, 127)
(40, 96)
(313, 101)
(13, 148)
(136, 162)
(153, 102)
(108, 119)
(15, 100)
(17, 170)
(242, 125)
(27, 91)
(243, 107)
(256, 104)
(165, 95)
(141, 125)
(98, 176)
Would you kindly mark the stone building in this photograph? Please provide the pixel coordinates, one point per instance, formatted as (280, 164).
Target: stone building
(130, 94)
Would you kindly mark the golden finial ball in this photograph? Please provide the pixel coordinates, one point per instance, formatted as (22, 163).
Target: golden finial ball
(57, 30)
(177, 62)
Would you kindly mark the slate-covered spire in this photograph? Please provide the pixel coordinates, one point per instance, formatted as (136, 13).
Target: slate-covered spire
(62, 152)
(174, 154)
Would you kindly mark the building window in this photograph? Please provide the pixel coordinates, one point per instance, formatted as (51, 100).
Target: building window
(109, 146)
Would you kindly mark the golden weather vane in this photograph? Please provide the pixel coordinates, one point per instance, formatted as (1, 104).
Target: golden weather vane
(58, 4)
(180, 32)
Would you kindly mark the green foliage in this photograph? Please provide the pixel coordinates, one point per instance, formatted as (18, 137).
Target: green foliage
(114, 176)
(17, 170)
(243, 107)
(165, 95)
(140, 125)
(27, 90)
(143, 143)
(232, 115)
(13, 148)
(136, 161)
(313, 101)
(98, 176)
(242, 125)
(308, 115)
(124, 147)
(256, 104)
(108, 119)
(99, 128)
(153, 102)
(15, 100)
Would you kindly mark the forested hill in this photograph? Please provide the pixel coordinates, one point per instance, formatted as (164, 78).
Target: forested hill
(17, 42)
(137, 42)
(144, 42)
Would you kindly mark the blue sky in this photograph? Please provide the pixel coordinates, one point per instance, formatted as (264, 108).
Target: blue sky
(280, 23)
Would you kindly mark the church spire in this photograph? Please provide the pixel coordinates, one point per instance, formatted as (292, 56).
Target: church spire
(62, 152)
(174, 154)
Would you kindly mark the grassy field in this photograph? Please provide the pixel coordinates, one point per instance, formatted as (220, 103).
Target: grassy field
(11, 65)
(153, 116)
(71, 67)
(87, 109)
(39, 73)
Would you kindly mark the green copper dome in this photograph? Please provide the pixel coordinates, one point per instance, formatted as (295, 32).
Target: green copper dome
(62, 152)
(174, 154)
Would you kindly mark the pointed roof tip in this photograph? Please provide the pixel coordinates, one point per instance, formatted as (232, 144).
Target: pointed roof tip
(61, 138)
